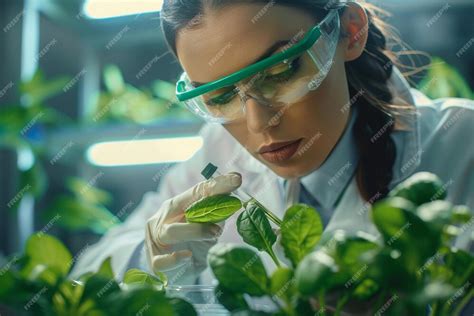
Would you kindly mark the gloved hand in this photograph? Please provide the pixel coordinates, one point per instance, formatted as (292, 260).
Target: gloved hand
(168, 229)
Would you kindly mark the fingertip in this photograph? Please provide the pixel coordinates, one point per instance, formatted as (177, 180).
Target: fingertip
(235, 179)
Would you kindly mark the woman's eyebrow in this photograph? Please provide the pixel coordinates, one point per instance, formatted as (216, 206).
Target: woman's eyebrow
(266, 54)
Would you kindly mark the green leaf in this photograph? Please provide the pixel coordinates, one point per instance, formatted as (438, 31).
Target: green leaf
(42, 249)
(303, 307)
(38, 89)
(461, 214)
(113, 79)
(75, 215)
(438, 213)
(213, 209)
(230, 300)
(348, 250)
(239, 269)
(16, 291)
(422, 187)
(282, 284)
(165, 90)
(365, 290)
(105, 268)
(7, 284)
(182, 307)
(138, 300)
(300, 232)
(402, 229)
(314, 273)
(84, 191)
(461, 265)
(45, 274)
(255, 229)
(352, 255)
(444, 81)
(388, 268)
(97, 288)
(136, 276)
(13, 119)
(67, 294)
(36, 179)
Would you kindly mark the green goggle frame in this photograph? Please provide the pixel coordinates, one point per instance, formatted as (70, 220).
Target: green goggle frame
(306, 43)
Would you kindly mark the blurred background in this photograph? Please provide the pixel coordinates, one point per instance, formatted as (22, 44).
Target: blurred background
(88, 114)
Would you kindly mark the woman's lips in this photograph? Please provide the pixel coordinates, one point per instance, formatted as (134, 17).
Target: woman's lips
(283, 153)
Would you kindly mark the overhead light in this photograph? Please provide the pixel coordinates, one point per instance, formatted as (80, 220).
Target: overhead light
(142, 152)
(102, 9)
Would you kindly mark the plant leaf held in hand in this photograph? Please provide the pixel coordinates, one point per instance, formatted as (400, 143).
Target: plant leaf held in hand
(213, 209)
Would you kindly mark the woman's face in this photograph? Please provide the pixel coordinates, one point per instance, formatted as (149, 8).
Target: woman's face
(234, 37)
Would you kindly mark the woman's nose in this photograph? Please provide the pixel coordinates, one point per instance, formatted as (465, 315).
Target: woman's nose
(260, 115)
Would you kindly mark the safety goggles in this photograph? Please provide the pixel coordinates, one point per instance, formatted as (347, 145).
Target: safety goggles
(277, 81)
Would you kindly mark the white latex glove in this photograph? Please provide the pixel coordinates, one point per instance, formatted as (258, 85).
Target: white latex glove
(168, 229)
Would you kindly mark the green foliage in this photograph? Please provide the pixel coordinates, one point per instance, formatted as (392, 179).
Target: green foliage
(136, 276)
(82, 209)
(37, 284)
(23, 125)
(300, 232)
(443, 80)
(123, 102)
(421, 188)
(412, 266)
(239, 269)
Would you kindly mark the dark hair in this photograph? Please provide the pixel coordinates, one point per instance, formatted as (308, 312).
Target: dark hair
(368, 74)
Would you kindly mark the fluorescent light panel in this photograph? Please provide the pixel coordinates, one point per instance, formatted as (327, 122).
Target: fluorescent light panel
(142, 152)
(102, 9)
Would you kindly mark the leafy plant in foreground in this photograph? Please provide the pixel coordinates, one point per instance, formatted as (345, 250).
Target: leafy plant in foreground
(37, 284)
(411, 269)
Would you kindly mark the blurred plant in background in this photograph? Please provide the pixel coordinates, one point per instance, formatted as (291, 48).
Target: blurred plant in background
(24, 126)
(84, 207)
(443, 81)
(126, 103)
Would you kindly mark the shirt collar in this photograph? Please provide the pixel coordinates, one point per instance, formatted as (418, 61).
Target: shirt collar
(327, 183)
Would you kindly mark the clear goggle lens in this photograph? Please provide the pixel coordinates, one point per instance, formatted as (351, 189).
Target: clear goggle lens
(281, 85)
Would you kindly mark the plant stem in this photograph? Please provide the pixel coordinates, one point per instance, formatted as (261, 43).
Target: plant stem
(274, 257)
(322, 304)
(434, 310)
(269, 214)
(340, 304)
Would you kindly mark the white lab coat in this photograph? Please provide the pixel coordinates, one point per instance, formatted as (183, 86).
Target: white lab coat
(444, 146)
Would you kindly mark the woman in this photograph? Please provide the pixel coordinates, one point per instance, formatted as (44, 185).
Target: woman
(311, 109)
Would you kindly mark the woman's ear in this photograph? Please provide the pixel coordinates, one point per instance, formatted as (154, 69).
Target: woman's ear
(354, 23)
